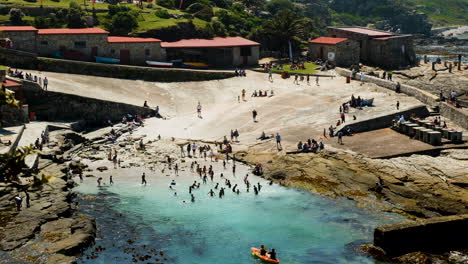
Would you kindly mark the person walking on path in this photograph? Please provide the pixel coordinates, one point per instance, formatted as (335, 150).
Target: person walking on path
(295, 79)
(340, 137)
(308, 79)
(317, 81)
(254, 115)
(343, 118)
(397, 105)
(143, 179)
(182, 152)
(243, 95)
(270, 76)
(46, 82)
(278, 142)
(199, 110)
(111, 180)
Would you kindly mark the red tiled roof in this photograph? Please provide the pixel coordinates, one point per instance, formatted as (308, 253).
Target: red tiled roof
(210, 43)
(327, 40)
(60, 31)
(131, 40)
(18, 28)
(366, 31)
(10, 83)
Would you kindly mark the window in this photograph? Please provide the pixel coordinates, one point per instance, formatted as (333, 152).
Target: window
(80, 44)
(44, 43)
(246, 51)
(147, 52)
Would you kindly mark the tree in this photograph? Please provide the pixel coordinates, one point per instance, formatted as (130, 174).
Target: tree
(75, 16)
(41, 22)
(16, 16)
(283, 27)
(253, 5)
(274, 6)
(123, 23)
(11, 165)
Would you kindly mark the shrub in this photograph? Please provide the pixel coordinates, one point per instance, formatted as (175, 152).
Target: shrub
(114, 9)
(150, 5)
(195, 7)
(162, 13)
(167, 3)
(16, 16)
(205, 14)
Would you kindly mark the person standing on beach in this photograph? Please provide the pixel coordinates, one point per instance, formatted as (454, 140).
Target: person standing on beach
(188, 149)
(143, 179)
(340, 137)
(46, 83)
(308, 79)
(243, 94)
(254, 115)
(270, 76)
(317, 80)
(397, 105)
(278, 142)
(182, 153)
(111, 181)
(199, 107)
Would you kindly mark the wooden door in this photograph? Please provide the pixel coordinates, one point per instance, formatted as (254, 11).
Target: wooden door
(93, 52)
(124, 56)
(245, 60)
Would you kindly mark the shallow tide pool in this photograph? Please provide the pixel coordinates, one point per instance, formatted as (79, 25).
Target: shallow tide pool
(302, 227)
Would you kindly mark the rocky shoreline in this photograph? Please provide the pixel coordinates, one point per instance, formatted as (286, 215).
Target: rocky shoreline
(49, 230)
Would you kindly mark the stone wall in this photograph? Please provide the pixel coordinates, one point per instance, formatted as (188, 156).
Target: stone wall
(49, 43)
(113, 71)
(138, 51)
(346, 52)
(22, 40)
(457, 115)
(52, 106)
(393, 52)
(439, 234)
(385, 121)
(238, 60)
(10, 116)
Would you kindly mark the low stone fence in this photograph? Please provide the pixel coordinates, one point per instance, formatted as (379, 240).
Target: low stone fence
(29, 61)
(384, 120)
(53, 106)
(438, 234)
(446, 110)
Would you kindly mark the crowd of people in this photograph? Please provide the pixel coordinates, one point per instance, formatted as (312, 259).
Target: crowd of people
(39, 143)
(310, 145)
(240, 73)
(29, 77)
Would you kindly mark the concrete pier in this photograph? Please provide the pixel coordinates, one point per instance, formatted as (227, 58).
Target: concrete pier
(439, 234)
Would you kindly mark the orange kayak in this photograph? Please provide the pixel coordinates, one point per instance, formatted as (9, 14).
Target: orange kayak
(256, 252)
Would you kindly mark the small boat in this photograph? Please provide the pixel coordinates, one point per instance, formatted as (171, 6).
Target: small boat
(160, 64)
(367, 102)
(107, 60)
(195, 65)
(256, 253)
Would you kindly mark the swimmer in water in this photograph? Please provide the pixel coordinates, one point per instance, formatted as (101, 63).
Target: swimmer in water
(193, 198)
(216, 187)
(173, 182)
(211, 193)
(143, 179)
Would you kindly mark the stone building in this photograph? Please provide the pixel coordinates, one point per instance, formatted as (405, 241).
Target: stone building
(135, 51)
(378, 48)
(228, 51)
(341, 52)
(23, 37)
(85, 43)
(88, 41)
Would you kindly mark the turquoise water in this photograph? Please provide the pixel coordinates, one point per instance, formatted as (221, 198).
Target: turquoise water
(304, 228)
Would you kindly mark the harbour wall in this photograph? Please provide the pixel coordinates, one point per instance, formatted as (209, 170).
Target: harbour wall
(384, 121)
(438, 234)
(30, 61)
(53, 106)
(446, 110)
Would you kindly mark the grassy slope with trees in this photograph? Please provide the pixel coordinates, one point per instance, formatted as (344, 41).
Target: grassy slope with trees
(276, 23)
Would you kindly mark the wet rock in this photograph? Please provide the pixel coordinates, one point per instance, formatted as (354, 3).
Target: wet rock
(71, 245)
(18, 235)
(371, 251)
(414, 258)
(60, 259)
(56, 230)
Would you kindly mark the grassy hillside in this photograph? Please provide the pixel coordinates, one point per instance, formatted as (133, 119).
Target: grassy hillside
(444, 12)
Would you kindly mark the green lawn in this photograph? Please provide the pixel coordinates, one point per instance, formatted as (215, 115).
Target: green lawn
(310, 68)
(149, 21)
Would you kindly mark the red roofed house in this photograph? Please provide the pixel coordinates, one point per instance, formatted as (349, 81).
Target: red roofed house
(377, 47)
(83, 44)
(220, 52)
(337, 51)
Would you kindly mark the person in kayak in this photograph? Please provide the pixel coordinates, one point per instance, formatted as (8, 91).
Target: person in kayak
(272, 254)
(263, 250)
